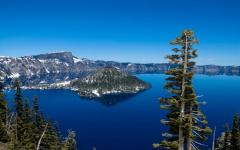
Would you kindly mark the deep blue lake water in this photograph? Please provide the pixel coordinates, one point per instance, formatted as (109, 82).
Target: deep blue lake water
(133, 123)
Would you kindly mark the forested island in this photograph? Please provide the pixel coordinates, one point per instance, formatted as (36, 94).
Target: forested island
(108, 81)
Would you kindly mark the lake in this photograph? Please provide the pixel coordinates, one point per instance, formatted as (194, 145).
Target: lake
(133, 123)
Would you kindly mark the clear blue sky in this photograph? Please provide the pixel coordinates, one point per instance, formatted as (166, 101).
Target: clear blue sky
(120, 30)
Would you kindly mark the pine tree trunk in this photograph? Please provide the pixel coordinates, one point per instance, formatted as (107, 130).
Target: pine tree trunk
(180, 136)
(189, 144)
(40, 140)
(189, 139)
(182, 109)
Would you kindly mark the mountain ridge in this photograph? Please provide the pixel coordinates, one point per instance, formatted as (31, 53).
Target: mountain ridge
(63, 66)
(100, 60)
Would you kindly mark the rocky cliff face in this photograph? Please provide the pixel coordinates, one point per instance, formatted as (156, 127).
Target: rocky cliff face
(218, 70)
(45, 68)
(63, 66)
(107, 81)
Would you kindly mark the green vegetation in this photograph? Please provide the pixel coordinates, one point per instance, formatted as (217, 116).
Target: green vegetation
(3, 113)
(230, 138)
(70, 142)
(25, 128)
(108, 80)
(187, 124)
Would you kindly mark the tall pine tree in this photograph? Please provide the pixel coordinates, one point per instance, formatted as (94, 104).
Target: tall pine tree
(51, 140)
(28, 128)
(235, 133)
(186, 122)
(18, 98)
(230, 138)
(36, 114)
(3, 104)
(227, 139)
(3, 112)
(19, 114)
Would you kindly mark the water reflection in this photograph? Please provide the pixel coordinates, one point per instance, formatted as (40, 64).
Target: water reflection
(112, 99)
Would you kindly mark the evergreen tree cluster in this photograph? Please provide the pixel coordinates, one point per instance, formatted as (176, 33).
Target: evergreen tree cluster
(25, 127)
(230, 138)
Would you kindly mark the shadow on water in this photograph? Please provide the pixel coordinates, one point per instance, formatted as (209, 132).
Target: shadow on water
(112, 99)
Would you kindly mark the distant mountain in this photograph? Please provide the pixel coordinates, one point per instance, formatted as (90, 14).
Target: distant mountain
(44, 68)
(108, 81)
(63, 66)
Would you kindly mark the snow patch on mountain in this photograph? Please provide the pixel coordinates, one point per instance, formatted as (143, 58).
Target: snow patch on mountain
(42, 61)
(95, 91)
(64, 83)
(14, 75)
(76, 60)
(47, 70)
(129, 65)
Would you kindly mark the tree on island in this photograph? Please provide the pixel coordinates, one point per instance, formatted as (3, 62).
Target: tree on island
(187, 124)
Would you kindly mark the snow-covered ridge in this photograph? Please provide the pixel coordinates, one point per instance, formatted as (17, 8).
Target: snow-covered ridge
(43, 66)
(61, 66)
(76, 60)
(56, 52)
(6, 57)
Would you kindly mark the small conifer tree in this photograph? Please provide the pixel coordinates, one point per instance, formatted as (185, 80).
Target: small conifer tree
(50, 140)
(227, 139)
(235, 133)
(70, 142)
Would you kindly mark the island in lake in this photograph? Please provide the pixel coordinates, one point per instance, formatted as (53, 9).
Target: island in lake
(108, 81)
